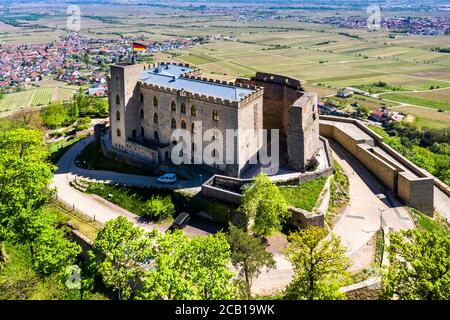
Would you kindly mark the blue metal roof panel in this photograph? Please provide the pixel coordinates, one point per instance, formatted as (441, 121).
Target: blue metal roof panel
(169, 76)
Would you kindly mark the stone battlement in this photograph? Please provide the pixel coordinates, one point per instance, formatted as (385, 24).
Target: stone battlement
(278, 79)
(258, 92)
(158, 64)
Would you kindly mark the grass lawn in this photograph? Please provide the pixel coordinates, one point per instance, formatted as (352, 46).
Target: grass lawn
(58, 148)
(19, 281)
(78, 221)
(130, 198)
(92, 158)
(410, 99)
(425, 223)
(304, 196)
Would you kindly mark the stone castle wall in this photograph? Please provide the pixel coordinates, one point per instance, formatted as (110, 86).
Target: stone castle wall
(144, 119)
(412, 184)
(303, 140)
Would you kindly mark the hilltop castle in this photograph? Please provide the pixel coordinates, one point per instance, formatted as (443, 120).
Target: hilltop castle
(148, 102)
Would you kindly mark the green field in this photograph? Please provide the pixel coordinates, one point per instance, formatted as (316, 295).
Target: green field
(34, 97)
(313, 53)
(417, 101)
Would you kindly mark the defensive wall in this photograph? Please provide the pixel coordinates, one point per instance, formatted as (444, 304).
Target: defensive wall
(412, 184)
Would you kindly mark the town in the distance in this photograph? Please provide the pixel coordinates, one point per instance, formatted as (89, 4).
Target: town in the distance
(224, 150)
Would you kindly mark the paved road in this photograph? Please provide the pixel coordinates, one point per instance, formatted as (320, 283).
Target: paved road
(93, 205)
(442, 203)
(370, 205)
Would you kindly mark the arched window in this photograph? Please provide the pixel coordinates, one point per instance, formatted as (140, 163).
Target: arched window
(173, 106)
(193, 127)
(193, 110)
(155, 101)
(156, 135)
(118, 115)
(142, 131)
(118, 132)
(141, 98)
(174, 123)
(183, 108)
(215, 115)
(214, 153)
(183, 124)
(141, 114)
(117, 99)
(155, 118)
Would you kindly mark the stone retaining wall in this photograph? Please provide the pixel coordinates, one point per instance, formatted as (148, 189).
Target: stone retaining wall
(412, 184)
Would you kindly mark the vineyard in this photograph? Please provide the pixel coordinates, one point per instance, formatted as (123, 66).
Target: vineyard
(34, 97)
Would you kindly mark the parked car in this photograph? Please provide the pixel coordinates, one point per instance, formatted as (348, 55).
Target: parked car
(180, 222)
(167, 178)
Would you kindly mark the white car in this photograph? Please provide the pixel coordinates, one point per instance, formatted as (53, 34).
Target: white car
(167, 178)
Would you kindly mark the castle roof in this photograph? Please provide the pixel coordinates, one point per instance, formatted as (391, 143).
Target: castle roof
(171, 76)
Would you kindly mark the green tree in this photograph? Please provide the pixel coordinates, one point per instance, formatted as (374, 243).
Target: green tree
(184, 268)
(419, 266)
(123, 249)
(53, 252)
(319, 265)
(55, 115)
(264, 206)
(25, 175)
(159, 208)
(249, 256)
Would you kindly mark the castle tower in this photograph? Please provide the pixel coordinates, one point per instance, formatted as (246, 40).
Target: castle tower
(123, 101)
(303, 132)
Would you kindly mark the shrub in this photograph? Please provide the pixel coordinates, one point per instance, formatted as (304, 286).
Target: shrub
(158, 208)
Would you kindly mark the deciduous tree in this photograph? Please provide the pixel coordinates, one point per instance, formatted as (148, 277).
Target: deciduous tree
(419, 266)
(123, 248)
(25, 175)
(184, 268)
(264, 206)
(249, 256)
(53, 252)
(319, 265)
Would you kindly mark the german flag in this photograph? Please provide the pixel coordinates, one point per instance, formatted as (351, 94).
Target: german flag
(139, 47)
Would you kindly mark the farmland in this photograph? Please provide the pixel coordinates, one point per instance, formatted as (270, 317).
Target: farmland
(36, 96)
(324, 58)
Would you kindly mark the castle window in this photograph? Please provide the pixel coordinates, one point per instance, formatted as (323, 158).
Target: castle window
(214, 153)
(117, 99)
(174, 123)
(193, 147)
(173, 106)
(183, 108)
(155, 101)
(141, 97)
(193, 110)
(118, 132)
(118, 115)
(215, 115)
(155, 118)
(183, 124)
(193, 128)
(142, 131)
(156, 135)
(141, 114)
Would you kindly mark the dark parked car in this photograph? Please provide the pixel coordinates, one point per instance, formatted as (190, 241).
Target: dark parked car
(180, 222)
